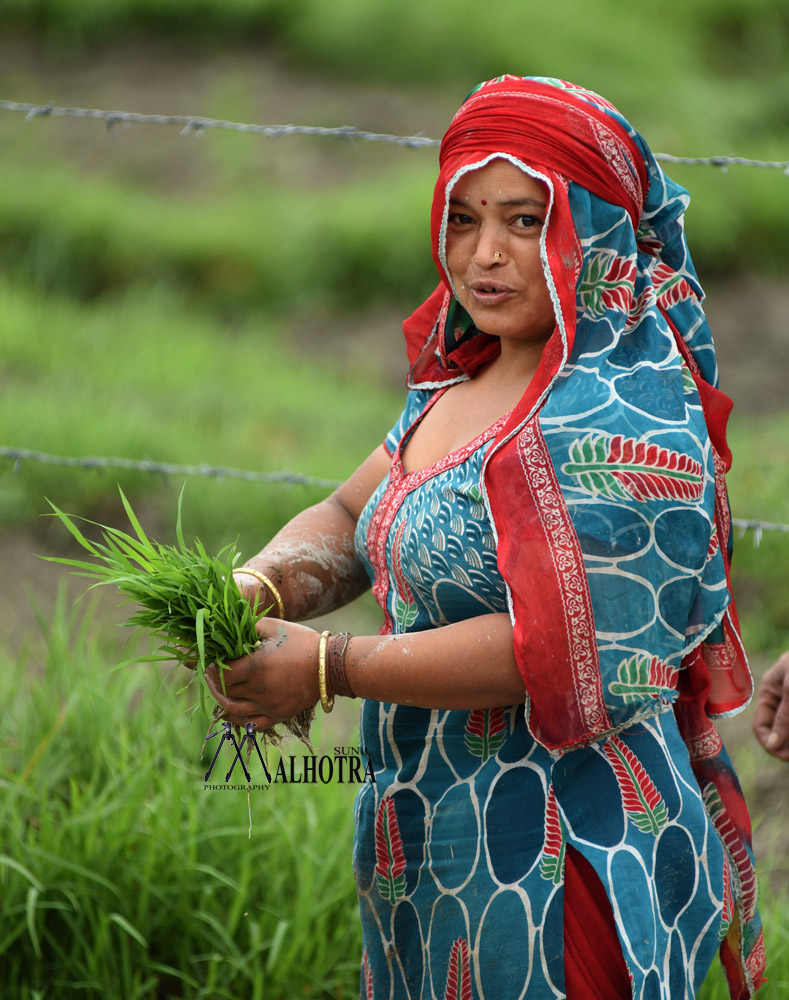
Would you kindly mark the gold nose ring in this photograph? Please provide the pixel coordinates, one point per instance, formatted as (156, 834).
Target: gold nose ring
(497, 255)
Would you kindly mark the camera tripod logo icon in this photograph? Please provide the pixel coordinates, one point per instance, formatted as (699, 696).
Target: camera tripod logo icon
(230, 737)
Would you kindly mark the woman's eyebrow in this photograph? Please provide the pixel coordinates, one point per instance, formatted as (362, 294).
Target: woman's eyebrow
(508, 203)
(522, 201)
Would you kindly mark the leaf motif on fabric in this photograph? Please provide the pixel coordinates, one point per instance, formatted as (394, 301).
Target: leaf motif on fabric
(736, 848)
(474, 492)
(486, 731)
(670, 287)
(554, 848)
(648, 240)
(389, 857)
(644, 676)
(620, 468)
(715, 541)
(477, 510)
(457, 525)
(688, 383)
(405, 613)
(459, 972)
(639, 307)
(643, 803)
(367, 977)
(727, 912)
(608, 283)
(405, 608)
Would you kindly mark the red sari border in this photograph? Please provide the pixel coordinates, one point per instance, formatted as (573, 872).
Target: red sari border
(550, 565)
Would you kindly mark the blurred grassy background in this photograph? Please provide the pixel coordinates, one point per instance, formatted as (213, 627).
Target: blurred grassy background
(234, 300)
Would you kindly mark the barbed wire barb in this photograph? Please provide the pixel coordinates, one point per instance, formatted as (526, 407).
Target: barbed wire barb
(196, 124)
(758, 527)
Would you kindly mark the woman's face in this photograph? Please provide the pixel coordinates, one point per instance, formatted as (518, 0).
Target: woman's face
(496, 216)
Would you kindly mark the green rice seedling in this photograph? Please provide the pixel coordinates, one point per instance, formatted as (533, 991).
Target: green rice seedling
(186, 598)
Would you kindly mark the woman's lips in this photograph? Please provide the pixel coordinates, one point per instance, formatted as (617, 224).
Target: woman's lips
(490, 293)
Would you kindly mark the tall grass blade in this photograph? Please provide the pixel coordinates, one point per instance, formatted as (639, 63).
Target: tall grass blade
(10, 863)
(30, 918)
(133, 520)
(130, 929)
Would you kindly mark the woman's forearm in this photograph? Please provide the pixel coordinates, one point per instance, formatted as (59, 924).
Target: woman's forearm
(466, 665)
(463, 666)
(312, 562)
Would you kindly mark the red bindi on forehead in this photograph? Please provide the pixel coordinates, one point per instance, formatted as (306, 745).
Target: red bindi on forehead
(484, 202)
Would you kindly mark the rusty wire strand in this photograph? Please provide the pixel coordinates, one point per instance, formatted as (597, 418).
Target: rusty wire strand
(198, 124)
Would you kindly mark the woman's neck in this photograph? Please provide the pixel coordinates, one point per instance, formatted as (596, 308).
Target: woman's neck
(516, 364)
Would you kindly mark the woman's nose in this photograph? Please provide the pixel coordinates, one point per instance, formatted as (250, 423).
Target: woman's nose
(490, 247)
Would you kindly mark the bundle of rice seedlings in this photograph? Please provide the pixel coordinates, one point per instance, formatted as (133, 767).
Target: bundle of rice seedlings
(186, 598)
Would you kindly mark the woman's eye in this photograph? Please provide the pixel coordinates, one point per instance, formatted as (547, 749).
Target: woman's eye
(527, 221)
(458, 219)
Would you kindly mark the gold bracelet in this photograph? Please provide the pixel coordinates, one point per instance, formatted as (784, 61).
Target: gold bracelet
(266, 583)
(327, 700)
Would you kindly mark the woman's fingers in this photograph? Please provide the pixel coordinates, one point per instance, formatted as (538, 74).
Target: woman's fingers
(232, 674)
(227, 694)
(771, 715)
(277, 681)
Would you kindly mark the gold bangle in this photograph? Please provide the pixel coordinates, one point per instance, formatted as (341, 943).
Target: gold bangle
(327, 700)
(266, 583)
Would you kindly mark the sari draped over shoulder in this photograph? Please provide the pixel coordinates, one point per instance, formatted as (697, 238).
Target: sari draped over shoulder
(606, 484)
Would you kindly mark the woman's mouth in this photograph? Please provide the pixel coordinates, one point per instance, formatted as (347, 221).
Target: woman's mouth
(489, 293)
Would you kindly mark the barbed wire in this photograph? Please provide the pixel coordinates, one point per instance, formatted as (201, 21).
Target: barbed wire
(197, 124)
(757, 527)
(166, 469)
(99, 463)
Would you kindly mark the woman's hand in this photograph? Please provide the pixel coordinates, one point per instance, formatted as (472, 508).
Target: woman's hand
(274, 683)
(771, 715)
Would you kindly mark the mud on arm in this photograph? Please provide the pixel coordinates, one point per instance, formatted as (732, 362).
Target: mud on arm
(312, 561)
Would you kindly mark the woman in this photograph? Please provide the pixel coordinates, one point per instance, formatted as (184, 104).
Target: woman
(546, 524)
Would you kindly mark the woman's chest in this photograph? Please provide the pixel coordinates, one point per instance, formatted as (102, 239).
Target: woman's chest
(457, 416)
(430, 547)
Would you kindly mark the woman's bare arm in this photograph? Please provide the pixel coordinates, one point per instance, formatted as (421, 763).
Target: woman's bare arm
(466, 665)
(312, 561)
(470, 664)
